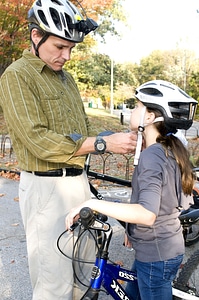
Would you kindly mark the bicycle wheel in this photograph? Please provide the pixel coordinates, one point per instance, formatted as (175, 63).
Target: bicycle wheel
(193, 236)
(188, 279)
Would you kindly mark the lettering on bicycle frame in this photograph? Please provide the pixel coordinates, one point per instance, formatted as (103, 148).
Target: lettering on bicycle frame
(95, 273)
(119, 291)
(127, 276)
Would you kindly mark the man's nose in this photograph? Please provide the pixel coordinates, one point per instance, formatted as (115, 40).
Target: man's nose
(66, 54)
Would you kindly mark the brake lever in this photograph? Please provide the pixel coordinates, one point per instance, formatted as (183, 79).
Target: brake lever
(99, 225)
(72, 227)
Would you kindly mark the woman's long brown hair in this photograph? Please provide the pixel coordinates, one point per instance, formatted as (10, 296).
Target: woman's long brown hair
(179, 151)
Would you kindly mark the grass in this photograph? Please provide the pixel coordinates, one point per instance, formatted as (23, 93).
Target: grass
(102, 120)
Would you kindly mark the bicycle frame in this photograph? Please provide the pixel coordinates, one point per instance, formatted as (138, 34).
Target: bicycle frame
(183, 295)
(106, 274)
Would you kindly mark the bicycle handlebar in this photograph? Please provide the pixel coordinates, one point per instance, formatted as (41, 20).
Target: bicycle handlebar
(87, 217)
(91, 220)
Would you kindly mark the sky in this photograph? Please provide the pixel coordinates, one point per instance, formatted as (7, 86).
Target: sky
(155, 25)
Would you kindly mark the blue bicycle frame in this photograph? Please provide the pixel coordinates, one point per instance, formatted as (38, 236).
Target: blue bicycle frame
(106, 275)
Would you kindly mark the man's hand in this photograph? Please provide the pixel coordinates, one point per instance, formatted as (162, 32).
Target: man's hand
(121, 143)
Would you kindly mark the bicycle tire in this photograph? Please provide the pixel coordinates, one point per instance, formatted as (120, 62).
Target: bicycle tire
(191, 240)
(188, 279)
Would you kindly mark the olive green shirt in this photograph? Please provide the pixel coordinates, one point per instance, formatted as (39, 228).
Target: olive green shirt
(44, 114)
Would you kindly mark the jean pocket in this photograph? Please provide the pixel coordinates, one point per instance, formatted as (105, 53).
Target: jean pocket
(171, 267)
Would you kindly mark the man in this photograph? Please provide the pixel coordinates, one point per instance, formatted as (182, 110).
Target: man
(50, 134)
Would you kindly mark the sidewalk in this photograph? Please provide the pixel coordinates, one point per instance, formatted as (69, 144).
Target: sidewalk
(14, 277)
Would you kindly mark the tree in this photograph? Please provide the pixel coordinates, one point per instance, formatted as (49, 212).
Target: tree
(13, 30)
(93, 75)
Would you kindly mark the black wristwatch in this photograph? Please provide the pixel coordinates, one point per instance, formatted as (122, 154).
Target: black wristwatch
(100, 145)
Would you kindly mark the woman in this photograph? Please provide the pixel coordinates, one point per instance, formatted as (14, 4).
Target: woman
(161, 183)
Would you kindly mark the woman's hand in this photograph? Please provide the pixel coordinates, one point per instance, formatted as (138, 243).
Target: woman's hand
(72, 217)
(127, 243)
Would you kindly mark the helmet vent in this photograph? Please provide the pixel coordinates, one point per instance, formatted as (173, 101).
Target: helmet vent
(151, 91)
(63, 19)
(167, 86)
(181, 111)
(56, 2)
(39, 3)
(66, 34)
(184, 94)
(56, 18)
(71, 7)
(68, 21)
(42, 17)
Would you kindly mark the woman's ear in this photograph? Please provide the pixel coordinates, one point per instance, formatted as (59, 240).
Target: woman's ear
(149, 117)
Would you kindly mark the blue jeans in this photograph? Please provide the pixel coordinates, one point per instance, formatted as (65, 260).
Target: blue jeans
(154, 279)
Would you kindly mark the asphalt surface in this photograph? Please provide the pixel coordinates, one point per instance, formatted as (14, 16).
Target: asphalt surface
(14, 276)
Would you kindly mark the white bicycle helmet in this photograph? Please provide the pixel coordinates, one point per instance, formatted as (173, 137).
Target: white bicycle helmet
(176, 106)
(60, 18)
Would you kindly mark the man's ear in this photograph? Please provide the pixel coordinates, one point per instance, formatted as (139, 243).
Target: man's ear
(35, 36)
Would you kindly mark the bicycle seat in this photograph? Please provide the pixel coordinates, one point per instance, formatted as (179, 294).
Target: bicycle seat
(189, 216)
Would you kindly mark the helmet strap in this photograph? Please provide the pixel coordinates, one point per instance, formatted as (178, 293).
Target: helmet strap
(36, 48)
(139, 140)
(159, 119)
(140, 131)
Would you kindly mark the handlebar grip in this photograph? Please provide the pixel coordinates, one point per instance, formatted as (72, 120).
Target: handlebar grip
(87, 216)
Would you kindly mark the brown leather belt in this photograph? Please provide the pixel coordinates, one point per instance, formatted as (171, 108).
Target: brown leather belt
(59, 172)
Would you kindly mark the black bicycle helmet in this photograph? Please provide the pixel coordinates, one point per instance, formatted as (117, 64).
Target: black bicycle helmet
(60, 18)
(176, 106)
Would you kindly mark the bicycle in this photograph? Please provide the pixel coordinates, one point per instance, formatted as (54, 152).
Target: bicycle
(191, 228)
(106, 276)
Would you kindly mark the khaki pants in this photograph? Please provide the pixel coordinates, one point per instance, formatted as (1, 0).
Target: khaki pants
(44, 203)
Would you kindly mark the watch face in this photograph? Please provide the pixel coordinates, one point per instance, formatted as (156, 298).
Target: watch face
(100, 146)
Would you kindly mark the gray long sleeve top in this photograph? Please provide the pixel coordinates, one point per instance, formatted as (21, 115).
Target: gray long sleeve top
(156, 186)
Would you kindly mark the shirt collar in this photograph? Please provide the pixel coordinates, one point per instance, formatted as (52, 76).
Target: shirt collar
(33, 59)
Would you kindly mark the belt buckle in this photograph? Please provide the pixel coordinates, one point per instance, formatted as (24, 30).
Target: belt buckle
(63, 172)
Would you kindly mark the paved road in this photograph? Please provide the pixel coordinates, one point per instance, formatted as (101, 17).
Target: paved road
(14, 278)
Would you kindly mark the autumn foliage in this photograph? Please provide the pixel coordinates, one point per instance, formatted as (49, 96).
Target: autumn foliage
(13, 30)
